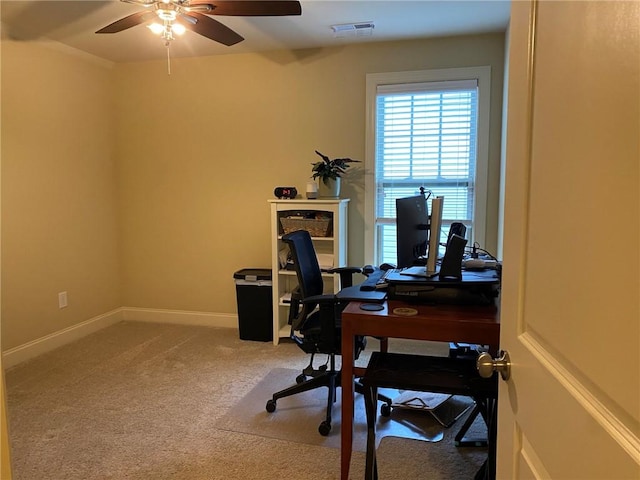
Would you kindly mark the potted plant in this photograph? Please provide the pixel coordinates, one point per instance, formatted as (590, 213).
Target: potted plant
(329, 172)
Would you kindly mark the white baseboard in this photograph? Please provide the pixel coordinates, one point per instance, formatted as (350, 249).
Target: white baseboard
(57, 339)
(181, 317)
(54, 340)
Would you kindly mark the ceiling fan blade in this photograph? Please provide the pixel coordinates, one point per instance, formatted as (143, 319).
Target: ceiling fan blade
(253, 8)
(212, 29)
(127, 22)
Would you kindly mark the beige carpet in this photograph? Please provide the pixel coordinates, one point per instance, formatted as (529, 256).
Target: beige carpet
(147, 401)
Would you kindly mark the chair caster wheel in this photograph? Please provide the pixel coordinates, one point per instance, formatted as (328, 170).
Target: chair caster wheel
(385, 410)
(324, 428)
(271, 406)
(301, 378)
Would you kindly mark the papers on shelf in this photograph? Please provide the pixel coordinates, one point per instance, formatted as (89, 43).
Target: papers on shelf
(325, 260)
(283, 256)
(286, 298)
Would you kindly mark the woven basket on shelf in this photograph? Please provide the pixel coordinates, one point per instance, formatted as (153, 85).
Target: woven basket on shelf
(317, 227)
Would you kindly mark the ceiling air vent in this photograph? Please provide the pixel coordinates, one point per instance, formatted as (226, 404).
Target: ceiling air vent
(362, 29)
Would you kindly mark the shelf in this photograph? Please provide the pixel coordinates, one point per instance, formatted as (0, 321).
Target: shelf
(291, 273)
(286, 272)
(285, 300)
(328, 239)
(285, 332)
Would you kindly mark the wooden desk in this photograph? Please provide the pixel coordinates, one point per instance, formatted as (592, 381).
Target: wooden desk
(446, 323)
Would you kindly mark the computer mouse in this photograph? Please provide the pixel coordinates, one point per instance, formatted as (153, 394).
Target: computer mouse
(387, 266)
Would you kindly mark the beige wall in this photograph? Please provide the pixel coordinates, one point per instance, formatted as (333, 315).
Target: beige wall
(201, 150)
(161, 209)
(58, 192)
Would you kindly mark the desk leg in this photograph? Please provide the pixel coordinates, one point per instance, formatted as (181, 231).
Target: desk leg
(346, 428)
(488, 469)
(493, 435)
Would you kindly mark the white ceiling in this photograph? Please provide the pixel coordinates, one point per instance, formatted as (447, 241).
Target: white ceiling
(74, 22)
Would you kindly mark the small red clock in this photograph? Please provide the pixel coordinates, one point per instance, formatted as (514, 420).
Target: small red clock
(286, 192)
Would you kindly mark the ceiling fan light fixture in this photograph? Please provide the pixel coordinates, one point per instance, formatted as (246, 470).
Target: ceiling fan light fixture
(167, 15)
(196, 17)
(178, 28)
(156, 28)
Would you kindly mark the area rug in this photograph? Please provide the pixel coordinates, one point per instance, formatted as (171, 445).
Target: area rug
(297, 417)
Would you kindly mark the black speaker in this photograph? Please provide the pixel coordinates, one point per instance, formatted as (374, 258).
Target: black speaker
(451, 267)
(456, 228)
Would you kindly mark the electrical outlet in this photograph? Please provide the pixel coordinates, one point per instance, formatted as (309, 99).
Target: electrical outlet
(62, 300)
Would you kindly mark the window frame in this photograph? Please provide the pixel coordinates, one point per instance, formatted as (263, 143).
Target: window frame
(373, 80)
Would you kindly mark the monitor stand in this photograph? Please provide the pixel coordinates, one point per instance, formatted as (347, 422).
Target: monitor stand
(418, 271)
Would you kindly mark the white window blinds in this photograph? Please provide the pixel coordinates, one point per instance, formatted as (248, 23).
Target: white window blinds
(425, 136)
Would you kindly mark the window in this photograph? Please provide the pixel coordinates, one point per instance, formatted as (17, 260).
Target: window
(426, 129)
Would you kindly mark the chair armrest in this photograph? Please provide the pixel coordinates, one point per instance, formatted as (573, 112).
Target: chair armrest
(346, 274)
(317, 299)
(340, 270)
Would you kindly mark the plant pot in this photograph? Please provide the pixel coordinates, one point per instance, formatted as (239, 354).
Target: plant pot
(330, 189)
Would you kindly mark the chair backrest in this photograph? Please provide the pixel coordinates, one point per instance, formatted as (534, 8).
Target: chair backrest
(305, 262)
(310, 283)
(308, 272)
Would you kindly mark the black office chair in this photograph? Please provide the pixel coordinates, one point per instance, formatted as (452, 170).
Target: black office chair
(316, 327)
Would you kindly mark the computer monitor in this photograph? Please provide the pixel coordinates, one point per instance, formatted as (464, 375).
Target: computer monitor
(435, 226)
(412, 230)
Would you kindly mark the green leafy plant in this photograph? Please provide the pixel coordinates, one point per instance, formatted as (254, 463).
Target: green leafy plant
(330, 169)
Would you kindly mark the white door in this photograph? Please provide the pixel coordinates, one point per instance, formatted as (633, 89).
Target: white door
(570, 305)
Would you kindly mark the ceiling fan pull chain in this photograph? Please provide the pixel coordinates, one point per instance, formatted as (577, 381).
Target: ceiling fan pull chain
(168, 60)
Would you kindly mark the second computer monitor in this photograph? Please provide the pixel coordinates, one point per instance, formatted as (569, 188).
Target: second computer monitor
(435, 226)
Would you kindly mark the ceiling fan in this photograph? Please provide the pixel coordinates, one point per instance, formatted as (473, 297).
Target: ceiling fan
(176, 16)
